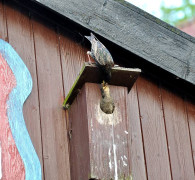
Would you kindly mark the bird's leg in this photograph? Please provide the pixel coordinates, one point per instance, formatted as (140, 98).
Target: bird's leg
(89, 53)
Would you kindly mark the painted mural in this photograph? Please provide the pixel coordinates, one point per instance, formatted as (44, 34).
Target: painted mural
(18, 159)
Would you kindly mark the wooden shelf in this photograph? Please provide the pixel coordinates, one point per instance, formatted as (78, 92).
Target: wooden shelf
(90, 73)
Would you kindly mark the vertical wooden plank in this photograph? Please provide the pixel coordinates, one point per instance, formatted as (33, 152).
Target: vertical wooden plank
(79, 138)
(190, 107)
(155, 144)
(73, 56)
(136, 153)
(3, 27)
(54, 134)
(178, 136)
(0, 161)
(21, 38)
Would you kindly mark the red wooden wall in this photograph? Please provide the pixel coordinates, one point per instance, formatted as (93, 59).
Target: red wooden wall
(188, 27)
(161, 123)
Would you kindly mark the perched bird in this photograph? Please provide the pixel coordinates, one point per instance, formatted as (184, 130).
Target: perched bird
(106, 103)
(102, 56)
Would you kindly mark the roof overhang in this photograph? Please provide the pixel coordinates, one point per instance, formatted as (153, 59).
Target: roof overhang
(132, 29)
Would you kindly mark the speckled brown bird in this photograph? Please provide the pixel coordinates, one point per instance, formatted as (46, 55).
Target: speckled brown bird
(102, 56)
(106, 102)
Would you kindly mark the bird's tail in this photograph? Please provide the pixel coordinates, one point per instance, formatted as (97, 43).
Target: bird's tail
(106, 72)
(90, 38)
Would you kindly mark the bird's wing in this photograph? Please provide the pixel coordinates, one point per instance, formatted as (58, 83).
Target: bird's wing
(100, 52)
(103, 56)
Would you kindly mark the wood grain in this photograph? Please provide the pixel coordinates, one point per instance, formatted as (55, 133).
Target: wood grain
(79, 138)
(73, 56)
(108, 139)
(134, 30)
(161, 161)
(154, 135)
(178, 136)
(53, 124)
(136, 153)
(99, 143)
(21, 37)
(190, 107)
(3, 27)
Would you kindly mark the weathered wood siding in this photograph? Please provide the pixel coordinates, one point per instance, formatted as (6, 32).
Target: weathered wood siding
(161, 123)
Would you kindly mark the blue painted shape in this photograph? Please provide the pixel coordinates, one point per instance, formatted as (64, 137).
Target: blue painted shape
(15, 111)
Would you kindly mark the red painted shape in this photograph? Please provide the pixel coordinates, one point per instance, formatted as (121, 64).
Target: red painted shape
(12, 164)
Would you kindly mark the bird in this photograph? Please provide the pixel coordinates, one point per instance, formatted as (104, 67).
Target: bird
(106, 102)
(101, 55)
